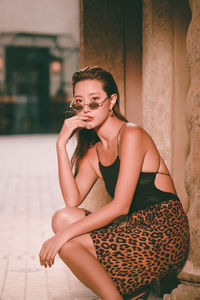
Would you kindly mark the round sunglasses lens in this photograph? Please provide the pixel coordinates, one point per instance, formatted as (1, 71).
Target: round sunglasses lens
(93, 105)
(77, 107)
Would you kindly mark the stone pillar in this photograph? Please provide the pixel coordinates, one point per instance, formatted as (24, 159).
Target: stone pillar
(102, 38)
(181, 82)
(165, 81)
(190, 275)
(157, 78)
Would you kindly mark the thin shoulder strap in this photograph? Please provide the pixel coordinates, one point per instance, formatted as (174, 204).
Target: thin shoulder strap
(118, 137)
(97, 150)
(158, 165)
(159, 168)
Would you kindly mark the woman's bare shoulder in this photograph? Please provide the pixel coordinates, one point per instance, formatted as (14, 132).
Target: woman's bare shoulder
(134, 131)
(134, 136)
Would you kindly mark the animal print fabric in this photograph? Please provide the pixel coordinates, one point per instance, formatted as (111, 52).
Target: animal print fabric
(144, 246)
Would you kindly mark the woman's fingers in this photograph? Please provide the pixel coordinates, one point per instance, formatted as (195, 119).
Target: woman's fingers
(50, 248)
(47, 261)
(47, 256)
(76, 123)
(44, 256)
(50, 262)
(70, 125)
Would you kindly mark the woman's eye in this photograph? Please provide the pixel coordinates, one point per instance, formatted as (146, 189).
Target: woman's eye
(95, 99)
(78, 101)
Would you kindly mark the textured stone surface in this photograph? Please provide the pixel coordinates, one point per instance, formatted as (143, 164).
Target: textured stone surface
(190, 275)
(157, 74)
(181, 82)
(183, 292)
(165, 83)
(102, 38)
(193, 126)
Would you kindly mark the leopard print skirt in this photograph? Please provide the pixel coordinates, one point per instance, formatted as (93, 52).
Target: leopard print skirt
(145, 246)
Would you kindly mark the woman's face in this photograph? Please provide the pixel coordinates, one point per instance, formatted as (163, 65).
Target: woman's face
(92, 90)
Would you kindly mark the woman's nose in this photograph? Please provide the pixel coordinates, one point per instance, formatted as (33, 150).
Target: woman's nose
(86, 108)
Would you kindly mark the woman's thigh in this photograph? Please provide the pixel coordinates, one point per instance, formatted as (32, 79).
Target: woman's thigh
(86, 241)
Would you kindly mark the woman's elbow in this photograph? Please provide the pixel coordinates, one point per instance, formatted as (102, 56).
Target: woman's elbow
(122, 210)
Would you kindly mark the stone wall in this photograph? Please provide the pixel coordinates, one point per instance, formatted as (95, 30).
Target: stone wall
(165, 82)
(102, 38)
(181, 81)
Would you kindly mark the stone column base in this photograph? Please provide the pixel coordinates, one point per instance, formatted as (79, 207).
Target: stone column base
(184, 292)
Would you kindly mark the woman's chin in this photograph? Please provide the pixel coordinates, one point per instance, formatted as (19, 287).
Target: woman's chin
(89, 126)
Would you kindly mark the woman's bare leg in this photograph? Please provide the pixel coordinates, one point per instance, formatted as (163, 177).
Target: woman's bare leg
(80, 256)
(89, 271)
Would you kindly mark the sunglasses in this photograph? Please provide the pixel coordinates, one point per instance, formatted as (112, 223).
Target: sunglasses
(78, 104)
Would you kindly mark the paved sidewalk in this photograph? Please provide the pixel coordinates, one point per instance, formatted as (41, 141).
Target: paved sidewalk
(29, 195)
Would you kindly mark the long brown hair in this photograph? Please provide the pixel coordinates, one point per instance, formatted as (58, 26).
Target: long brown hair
(88, 137)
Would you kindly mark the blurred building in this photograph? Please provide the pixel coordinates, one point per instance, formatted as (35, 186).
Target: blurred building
(39, 51)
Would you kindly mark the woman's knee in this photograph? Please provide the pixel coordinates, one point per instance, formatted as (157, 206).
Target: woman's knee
(66, 216)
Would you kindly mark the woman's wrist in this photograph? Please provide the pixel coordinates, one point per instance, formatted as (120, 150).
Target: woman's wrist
(61, 145)
(64, 234)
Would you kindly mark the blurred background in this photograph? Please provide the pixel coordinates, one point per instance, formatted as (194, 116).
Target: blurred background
(39, 51)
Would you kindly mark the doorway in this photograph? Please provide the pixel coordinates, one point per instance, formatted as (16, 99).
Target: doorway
(27, 84)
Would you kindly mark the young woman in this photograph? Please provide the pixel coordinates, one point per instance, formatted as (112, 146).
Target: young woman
(142, 234)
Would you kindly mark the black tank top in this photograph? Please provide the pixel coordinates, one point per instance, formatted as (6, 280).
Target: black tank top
(146, 193)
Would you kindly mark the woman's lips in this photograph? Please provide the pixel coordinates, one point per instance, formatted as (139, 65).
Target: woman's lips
(89, 119)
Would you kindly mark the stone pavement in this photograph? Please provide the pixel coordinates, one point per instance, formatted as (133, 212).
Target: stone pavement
(29, 195)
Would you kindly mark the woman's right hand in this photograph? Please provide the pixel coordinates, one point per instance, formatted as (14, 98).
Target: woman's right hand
(68, 128)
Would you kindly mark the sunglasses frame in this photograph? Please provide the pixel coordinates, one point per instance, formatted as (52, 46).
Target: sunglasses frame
(79, 110)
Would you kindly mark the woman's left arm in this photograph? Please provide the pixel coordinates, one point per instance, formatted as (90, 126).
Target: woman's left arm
(132, 152)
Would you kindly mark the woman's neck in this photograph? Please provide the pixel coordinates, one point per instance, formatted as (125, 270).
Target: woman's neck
(109, 130)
